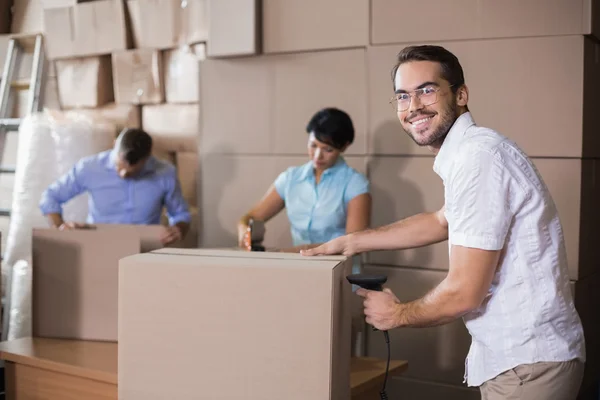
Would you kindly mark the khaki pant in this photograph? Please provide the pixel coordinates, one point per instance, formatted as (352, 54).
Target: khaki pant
(539, 381)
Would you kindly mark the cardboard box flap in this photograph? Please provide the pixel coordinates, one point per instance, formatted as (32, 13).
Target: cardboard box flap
(234, 253)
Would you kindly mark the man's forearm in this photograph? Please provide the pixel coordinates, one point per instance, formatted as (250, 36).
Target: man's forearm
(416, 231)
(438, 307)
(55, 219)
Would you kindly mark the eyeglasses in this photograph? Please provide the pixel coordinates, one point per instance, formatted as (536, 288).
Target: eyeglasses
(427, 96)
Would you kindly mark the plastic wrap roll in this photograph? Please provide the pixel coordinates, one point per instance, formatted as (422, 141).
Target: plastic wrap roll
(50, 143)
(20, 310)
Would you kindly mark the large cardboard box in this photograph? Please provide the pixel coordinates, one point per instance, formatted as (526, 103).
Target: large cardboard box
(165, 24)
(121, 115)
(291, 25)
(85, 82)
(495, 70)
(182, 73)
(274, 324)
(61, 3)
(481, 19)
(75, 278)
(27, 17)
(187, 172)
(234, 28)
(91, 28)
(138, 76)
(273, 98)
(404, 186)
(173, 127)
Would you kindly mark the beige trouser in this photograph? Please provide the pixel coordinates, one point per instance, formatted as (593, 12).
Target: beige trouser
(539, 381)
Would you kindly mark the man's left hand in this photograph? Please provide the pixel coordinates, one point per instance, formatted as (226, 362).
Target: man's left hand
(382, 309)
(171, 234)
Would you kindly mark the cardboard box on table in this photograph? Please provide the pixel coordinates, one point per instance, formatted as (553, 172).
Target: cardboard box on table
(229, 324)
(75, 278)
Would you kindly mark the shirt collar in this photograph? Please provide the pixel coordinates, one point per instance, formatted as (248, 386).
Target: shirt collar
(307, 169)
(455, 136)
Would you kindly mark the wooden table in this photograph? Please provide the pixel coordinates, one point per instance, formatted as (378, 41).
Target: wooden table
(51, 369)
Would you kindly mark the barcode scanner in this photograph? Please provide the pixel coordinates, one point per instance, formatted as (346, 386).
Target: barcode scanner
(374, 282)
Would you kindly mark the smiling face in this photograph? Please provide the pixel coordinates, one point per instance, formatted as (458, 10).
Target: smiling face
(433, 107)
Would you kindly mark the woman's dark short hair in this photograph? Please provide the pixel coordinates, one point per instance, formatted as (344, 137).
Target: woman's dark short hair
(332, 126)
(135, 145)
(451, 69)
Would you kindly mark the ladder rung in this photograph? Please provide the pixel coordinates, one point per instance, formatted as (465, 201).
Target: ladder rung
(6, 169)
(12, 124)
(20, 84)
(4, 212)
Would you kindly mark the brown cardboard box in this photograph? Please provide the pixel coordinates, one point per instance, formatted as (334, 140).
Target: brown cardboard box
(173, 127)
(61, 3)
(480, 19)
(495, 72)
(75, 278)
(436, 354)
(267, 333)
(234, 28)
(230, 187)
(404, 186)
(252, 105)
(121, 115)
(48, 97)
(290, 25)
(187, 171)
(87, 29)
(138, 76)
(85, 82)
(74, 291)
(165, 24)
(27, 17)
(182, 73)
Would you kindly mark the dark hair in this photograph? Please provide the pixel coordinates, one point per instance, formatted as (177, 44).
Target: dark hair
(134, 144)
(332, 126)
(451, 69)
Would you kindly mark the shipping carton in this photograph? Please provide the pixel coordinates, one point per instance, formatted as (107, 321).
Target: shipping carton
(84, 82)
(261, 105)
(480, 19)
(75, 278)
(91, 28)
(138, 76)
(234, 28)
(61, 3)
(187, 172)
(173, 127)
(165, 24)
(274, 324)
(121, 115)
(182, 73)
(291, 25)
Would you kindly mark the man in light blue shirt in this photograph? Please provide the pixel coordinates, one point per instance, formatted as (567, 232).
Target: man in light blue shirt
(126, 185)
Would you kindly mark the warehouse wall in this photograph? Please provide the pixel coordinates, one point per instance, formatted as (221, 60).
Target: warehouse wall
(533, 73)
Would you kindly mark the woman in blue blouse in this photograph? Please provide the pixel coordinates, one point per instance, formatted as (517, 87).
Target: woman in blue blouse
(324, 198)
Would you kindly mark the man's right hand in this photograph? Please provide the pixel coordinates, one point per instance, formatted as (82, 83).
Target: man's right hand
(336, 246)
(68, 226)
(243, 235)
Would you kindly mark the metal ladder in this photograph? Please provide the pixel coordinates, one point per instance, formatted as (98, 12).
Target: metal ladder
(18, 45)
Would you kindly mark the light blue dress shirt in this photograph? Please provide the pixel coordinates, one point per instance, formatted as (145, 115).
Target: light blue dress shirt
(317, 212)
(114, 200)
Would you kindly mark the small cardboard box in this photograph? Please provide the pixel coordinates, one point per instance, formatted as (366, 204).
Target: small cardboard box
(87, 29)
(233, 325)
(182, 73)
(138, 76)
(235, 28)
(166, 24)
(75, 278)
(121, 115)
(173, 127)
(84, 82)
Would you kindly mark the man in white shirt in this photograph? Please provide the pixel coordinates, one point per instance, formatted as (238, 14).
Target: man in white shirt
(508, 276)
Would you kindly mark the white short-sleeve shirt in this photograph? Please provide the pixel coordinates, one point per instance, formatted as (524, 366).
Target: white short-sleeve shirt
(496, 200)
